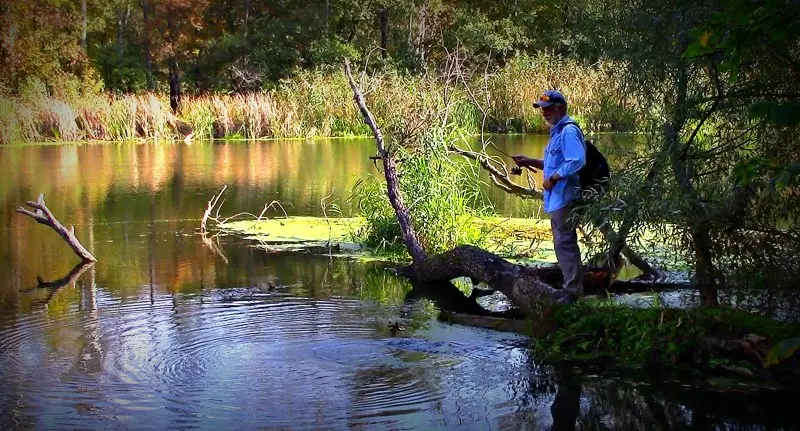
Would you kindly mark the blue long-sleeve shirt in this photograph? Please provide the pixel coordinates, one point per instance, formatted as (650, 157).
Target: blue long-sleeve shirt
(565, 154)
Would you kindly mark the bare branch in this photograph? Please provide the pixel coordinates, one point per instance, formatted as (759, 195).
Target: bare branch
(393, 191)
(497, 176)
(44, 216)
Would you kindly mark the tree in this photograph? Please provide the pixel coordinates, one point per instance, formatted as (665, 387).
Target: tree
(41, 42)
(712, 78)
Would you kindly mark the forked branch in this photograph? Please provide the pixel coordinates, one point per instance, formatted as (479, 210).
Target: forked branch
(44, 216)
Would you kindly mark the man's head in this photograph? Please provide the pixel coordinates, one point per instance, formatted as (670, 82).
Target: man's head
(554, 106)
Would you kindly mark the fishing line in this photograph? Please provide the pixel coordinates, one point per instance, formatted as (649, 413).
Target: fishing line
(498, 149)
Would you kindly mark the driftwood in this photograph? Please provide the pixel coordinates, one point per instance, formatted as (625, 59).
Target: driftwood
(44, 216)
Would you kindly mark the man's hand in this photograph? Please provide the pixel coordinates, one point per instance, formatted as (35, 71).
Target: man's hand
(550, 182)
(520, 160)
(524, 162)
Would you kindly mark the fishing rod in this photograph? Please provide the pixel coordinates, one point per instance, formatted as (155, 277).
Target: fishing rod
(516, 170)
(499, 150)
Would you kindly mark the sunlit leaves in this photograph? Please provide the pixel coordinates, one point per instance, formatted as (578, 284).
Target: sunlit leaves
(782, 351)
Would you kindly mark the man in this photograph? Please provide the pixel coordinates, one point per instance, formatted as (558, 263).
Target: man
(564, 156)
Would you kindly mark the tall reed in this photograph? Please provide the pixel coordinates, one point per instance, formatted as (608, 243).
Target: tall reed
(317, 103)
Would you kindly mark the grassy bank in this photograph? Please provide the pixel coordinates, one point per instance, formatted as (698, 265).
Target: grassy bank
(713, 341)
(315, 104)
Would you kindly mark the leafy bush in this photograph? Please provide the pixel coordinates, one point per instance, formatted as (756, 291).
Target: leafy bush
(441, 194)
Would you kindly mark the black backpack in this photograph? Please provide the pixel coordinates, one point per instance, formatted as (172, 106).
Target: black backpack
(595, 174)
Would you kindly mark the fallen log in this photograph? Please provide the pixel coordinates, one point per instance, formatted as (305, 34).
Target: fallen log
(601, 280)
(44, 216)
(525, 287)
(524, 290)
(520, 284)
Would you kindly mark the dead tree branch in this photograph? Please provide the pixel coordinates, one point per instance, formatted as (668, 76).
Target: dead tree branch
(389, 170)
(44, 216)
(501, 179)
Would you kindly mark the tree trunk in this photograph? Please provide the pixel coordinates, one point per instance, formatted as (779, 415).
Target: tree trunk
(174, 88)
(519, 284)
(705, 274)
(419, 47)
(174, 74)
(119, 39)
(390, 172)
(383, 15)
(148, 58)
(84, 26)
(327, 17)
(246, 16)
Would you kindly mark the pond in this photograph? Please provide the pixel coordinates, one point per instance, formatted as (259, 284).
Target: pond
(164, 333)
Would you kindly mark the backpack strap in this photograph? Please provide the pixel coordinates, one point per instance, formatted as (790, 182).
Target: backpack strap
(583, 136)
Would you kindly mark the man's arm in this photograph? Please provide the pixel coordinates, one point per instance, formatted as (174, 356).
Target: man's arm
(523, 161)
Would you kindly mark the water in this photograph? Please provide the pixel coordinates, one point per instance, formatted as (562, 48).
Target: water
(162, 333)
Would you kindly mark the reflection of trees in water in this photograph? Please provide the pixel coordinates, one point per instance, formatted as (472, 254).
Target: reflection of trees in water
(619, 405)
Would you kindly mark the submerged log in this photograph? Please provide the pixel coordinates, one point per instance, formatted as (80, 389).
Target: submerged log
(44, 216)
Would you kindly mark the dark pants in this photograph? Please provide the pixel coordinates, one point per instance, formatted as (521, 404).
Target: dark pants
(565, 242)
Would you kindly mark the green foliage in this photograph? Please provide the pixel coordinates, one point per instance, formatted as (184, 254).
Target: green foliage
(442, 196)
(782, 114)
(714, 92)
(477, 33)
(655, 336)
(782, 351)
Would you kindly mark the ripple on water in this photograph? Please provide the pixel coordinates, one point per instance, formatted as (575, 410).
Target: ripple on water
(224, 357)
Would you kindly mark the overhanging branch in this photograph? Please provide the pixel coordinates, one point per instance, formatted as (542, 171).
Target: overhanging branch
(390, 173)
(501, 179)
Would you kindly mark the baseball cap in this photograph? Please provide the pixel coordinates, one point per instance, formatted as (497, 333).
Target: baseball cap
(550, 97)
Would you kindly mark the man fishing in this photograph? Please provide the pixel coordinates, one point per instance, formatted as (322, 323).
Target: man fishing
(564, 157)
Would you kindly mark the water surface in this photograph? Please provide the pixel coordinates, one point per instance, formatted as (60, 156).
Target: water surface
(164, 333)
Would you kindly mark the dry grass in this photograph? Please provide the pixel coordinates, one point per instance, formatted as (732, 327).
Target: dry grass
(319, 104)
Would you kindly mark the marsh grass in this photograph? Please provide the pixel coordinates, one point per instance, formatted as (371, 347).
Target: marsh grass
(656, 336)
(442, 196)
(318, 103)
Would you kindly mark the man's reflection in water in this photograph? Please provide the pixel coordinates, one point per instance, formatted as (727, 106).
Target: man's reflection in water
(566, 405)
